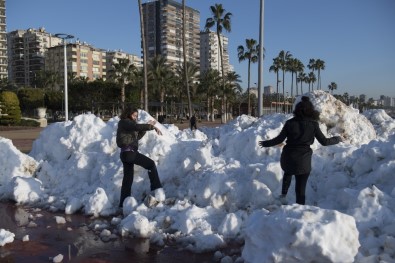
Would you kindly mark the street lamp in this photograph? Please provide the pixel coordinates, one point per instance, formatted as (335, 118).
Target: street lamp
(66, 102)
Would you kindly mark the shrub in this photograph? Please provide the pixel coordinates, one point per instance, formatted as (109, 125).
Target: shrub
(10, 110)
(29, 123)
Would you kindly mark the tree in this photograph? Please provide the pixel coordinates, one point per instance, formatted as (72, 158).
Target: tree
(283, 58)
(311, 66)
(232, 87)
(144, 56)
(319, 65)
(30, 99)
(161, 76)
(209, 83)
(48, 79)
(10, 112)
(220, 20)
(332, 86)
(275, 67)
(249, 53)
(311, 79)
(301, 78)
(122, 72)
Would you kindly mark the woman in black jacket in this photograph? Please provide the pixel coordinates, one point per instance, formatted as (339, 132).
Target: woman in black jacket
(300, 132)
(128, 134)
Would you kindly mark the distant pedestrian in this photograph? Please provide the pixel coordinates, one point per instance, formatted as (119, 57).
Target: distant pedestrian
(193, 122)
(128, 134)
(300, 132)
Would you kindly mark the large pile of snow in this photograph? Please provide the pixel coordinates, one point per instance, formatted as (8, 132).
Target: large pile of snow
(222, 187)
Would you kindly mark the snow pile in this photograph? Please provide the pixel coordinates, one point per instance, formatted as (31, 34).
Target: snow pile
(221, 187)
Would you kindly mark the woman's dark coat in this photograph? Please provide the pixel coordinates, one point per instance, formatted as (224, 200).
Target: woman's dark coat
(300, 134)
(129, 132)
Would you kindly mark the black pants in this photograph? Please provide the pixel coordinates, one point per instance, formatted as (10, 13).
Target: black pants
(300, 186)
(129, 159)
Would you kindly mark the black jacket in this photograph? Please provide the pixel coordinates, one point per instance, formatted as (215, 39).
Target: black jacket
(130, 132)
(300, 134)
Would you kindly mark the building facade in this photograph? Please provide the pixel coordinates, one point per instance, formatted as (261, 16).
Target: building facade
(163, 27)
(113, 57)
(83, 60)
(210, 56)
(26, 54)
(3, 42)
(268, 90)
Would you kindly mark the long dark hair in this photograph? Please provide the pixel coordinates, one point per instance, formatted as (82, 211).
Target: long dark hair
(305, 109)
(129, 110)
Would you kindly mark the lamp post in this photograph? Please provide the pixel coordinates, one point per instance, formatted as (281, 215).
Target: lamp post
(66, 102)
(260, 65)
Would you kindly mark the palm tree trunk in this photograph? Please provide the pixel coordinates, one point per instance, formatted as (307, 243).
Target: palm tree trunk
(249, 97)
(283, 93)
(144, 57)
(223, 117)
(184, 51)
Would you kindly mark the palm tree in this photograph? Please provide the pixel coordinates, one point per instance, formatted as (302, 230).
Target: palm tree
(312, 67)
(161, 75)
(48, 79)
(232, 86)
(184, 51)
(301, 78)
(220, 20)
(311, 79)
(275, 67)
(144, 56)
(122, 72)
(292, 67)
(249, 53)
(209, 83)
(191, 73)
(283, 58)
(332, 86)
(319, 65)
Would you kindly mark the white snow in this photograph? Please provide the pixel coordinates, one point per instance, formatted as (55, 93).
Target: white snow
(221, 187)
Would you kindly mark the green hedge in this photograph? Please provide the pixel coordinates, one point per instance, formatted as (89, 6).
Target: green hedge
(10, 110)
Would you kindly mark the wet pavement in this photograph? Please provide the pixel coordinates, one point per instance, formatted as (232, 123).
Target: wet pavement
(76, 241)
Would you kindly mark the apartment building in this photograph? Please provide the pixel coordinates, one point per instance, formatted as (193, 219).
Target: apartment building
(83, 60)
(210, 56)
(113, 56)
(26, 54)
(3, 42)
(163, 26)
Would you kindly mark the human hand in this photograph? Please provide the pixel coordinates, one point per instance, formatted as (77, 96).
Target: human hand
(152, 122)
(158, 131)
(261, 144)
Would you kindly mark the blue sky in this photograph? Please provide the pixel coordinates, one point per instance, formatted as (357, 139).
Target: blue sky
(355, 38)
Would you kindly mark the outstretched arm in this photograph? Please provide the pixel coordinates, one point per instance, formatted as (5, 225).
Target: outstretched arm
(323, 140)
(277, 140)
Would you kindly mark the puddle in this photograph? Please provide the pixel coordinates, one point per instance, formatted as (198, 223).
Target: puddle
(76, 241)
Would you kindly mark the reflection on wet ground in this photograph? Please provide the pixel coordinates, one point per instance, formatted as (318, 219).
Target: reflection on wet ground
(75, 241)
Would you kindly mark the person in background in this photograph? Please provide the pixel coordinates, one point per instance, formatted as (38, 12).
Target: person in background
(129, 132)
(193, 122)
(300, 132)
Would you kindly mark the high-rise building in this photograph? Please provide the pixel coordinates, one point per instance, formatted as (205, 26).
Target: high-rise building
(26, 54)
(163, 27)
(83, 60)
(3, 42)
(267, 90)
(113, 56)
(210, 56)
